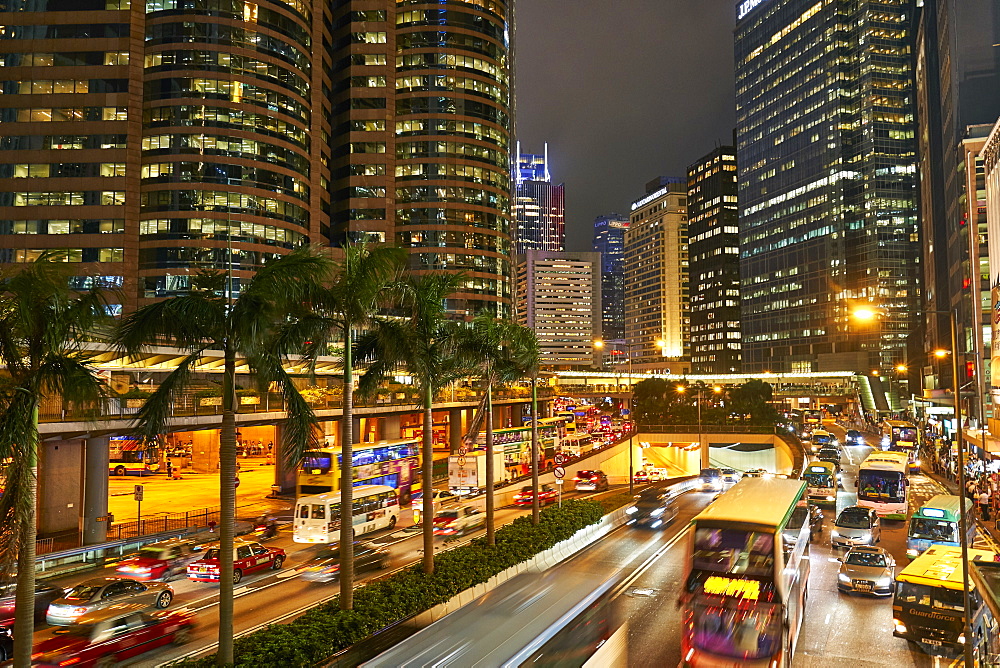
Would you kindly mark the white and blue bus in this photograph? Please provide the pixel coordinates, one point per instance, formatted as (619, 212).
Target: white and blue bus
(937, 522)
(317, 517)
(883, 485)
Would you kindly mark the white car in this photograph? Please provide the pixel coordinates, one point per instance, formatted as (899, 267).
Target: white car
(458, 521)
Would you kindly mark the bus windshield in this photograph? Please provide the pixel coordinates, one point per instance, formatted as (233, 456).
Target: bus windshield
(881, 486)
(734, 551)
(318, 462)
(737, 632)
(921, 527)
(818, 479)
(931, 597)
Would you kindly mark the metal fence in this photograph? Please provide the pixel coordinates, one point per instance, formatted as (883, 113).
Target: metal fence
(707, 429)
(162, 524)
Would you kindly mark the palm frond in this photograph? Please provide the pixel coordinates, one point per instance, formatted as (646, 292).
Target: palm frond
(188, 322)
(151, 419)
(72, 376)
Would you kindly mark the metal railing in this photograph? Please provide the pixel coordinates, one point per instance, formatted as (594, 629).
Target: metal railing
(163, 524)
(709, 429)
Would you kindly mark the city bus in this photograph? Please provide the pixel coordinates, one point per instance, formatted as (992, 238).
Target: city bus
(515, 443)
(812, 419)
(130, 456)
(390, 463)
(569, 418)
(937, 523)
(882, 484)
(821, 478)
(561, 618)
(577, 444)
(746, 577)
(317, 517)
(928, 606)
(899, 436)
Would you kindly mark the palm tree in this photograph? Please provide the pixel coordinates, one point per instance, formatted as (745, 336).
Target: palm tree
(364, 282)
(501, 352)
(264, 326)
(425, 341)
(43, 324)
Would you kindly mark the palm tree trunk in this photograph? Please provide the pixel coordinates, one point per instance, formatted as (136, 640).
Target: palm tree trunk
(24, 624)
(227, 507)
(427, 486)
(534, 448)
(491, 530)
(347, 480)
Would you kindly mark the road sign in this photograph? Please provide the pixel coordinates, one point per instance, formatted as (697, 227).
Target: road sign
(626, 411)
(559, 472)
(461, 461)
(559, 459)
(463, 451)
(138, 492)
(236, 482)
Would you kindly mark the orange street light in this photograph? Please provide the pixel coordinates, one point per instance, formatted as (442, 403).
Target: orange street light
(901, 368)
(598, 344)
(940, 353)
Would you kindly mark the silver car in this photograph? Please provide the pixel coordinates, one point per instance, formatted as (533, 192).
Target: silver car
(867, 570)
(100, 593)
(856, 525)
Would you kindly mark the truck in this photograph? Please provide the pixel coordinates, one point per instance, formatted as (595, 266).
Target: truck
(467, 473)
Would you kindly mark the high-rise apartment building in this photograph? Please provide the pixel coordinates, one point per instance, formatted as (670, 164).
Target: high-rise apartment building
(609, 241)
(539, 205)
(714, 258)
(559, 297)
(827, 163)
(656, 278)
(159, 142)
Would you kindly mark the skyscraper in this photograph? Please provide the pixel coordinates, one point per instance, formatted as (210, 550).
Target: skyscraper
(156, 144)
(539, 205)
(656, 278)
(826, 154)
(714, 257)
(609, 241)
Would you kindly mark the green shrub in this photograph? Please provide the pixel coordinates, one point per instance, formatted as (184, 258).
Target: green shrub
(326, 629)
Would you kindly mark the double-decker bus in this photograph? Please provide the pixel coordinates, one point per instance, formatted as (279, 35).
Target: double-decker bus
(390, 463)
(928, 606)
(747, 575)
(937, 523)
(882, 484)
(821, 478)
(317, 517)
(130, 456)
(515, 442)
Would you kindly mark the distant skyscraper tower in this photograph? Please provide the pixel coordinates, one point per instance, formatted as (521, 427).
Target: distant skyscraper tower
(539, 207)
(609, 241)
(714, 255)
(827, 168)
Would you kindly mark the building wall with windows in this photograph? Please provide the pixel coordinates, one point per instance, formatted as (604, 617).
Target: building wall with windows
(657, 316)
(827, 168)
(558, 296)
(609, 241)
(539, 205)
(990, 158)
(714, 256)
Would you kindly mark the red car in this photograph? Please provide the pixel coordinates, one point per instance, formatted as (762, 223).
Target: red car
(247, 558)
(112, 635)
(546, 495)
(159, 561)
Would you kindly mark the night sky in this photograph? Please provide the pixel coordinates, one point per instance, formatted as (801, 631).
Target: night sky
(623, 92)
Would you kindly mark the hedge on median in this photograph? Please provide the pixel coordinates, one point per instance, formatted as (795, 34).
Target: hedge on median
(326, 629)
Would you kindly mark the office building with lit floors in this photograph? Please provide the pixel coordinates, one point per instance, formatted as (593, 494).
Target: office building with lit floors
(714, 257)
(559, 297)
(539, 205)
(827, 182)
(609, 241)
(657, 318)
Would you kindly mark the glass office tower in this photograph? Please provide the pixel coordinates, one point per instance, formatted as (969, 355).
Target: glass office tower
(827, 169)
(609, 241)
(539, 205)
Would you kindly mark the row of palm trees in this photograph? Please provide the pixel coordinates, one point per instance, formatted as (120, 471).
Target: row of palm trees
(293, 310)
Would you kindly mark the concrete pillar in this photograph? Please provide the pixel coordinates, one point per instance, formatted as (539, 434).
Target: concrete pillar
(205, 450)
(356, 430)
(391, 428)
(455, 429)
(93, 519)
(705, 452)
(284, 475)
(60, 486)
(499, 416)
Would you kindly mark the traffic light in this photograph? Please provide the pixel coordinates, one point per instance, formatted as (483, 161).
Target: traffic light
(970, 370)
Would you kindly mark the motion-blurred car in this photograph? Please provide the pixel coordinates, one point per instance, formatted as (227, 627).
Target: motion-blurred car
(710, 480)
(159, 561)
(856, 525)
(641, 477)
(854, 437)
(546, 495)
(44, 594)
(458, 521)
(755, 473)
(247, 558)
(6, 643)
(867, 570)
(653, 507)
(730, 477)
(591, 481)
(107, 637)
(99, 593)
(324, 566)
(657, 475)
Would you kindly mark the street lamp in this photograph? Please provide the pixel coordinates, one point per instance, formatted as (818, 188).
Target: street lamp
(705, 458)
(869, 314)
(599, 344)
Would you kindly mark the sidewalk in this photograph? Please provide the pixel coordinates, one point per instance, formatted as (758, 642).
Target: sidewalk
(987, 528)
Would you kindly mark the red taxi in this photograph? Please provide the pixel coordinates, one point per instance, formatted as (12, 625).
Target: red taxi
(111, 635)
(546, 494)
(159, 561)
(247, 558)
